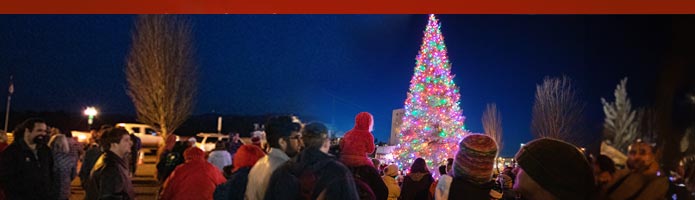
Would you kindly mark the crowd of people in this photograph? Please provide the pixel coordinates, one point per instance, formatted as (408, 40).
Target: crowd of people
(299, 162)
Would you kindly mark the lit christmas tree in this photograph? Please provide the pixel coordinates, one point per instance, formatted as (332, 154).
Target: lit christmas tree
(433, 122)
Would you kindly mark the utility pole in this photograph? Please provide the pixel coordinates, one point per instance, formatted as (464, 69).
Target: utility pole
(10, 90)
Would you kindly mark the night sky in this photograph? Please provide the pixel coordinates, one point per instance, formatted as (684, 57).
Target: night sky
(330, 67)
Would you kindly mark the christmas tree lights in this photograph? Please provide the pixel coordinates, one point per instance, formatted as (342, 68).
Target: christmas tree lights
(433, 123)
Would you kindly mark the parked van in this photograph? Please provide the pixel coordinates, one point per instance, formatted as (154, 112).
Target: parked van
(149, 136)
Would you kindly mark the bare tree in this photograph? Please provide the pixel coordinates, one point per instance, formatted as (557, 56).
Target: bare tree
(620, 122)
(492, 124)
(557, 113)
(161, 71)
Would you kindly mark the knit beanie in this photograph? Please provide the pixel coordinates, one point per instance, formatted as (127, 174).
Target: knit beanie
(475, 158)
(391, 170)
(246, 156)
(558, 167)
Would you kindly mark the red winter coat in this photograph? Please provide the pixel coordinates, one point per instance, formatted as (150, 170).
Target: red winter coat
(194, 179)
(358, 142)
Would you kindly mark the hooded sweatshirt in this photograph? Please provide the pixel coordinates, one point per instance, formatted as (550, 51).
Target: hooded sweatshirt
(389, 179)
(194, 179)
(416, 186)
(358, 142)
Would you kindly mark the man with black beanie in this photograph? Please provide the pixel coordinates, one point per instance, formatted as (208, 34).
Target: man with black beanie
(550, 169)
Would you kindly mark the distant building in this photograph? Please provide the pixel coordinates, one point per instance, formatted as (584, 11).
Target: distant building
(396, 122)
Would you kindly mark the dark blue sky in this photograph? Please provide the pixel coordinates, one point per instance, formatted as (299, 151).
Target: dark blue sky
(330, 67)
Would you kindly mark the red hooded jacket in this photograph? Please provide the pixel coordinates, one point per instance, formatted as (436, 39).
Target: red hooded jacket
(358, 142)
(194, 179)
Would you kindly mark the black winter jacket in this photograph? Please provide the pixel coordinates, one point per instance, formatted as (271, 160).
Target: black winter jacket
(23, 175)
(110, 179)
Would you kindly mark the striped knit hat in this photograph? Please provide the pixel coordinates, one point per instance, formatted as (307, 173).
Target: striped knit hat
(475, 158)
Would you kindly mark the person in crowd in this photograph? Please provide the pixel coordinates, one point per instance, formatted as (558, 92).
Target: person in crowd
(355, 147)
(507, 183)
(472, 170)
(110, 178)
(93, 135)
(63, 165)
(509, 172)
(256, 140)
(134, 153)
(3, 141)
(234, 144)
(284, 138)
(604, 169)
(390, 174)
(94, 151)
(220, 157)
(168, 146)
(549, 169)
(76, 151)
(28, 163)
(3, 145)
(171, 160)
(52, 131)
(192, 140)
(449, 164)
(235, 187)
(314, 174)
(194, 179)
(686, 174)
(417, 183)
(677, 188)
(358, 143)
(377, 163)
(642, 179)
(443, 176)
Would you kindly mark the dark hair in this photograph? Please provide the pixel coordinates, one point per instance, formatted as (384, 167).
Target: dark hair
(442, 169)
(419, 165)
(26, 124)
(67, 133)
(105, 127)
(314, 135)
(220, 145)
(113, 135)
(279, 127)
(605, 164)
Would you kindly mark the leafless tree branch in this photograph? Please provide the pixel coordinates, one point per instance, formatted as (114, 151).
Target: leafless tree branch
(492, 124)
(161, 71)
(557, 113)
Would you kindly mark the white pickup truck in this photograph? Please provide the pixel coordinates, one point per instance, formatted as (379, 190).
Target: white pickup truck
(149, 136)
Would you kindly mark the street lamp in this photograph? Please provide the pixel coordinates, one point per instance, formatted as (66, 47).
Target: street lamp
(91, 112)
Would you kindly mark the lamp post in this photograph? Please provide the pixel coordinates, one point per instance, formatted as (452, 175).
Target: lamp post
(90, 112)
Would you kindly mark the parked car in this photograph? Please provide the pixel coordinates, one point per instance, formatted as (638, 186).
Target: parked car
(149, 136)
(206, 141)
